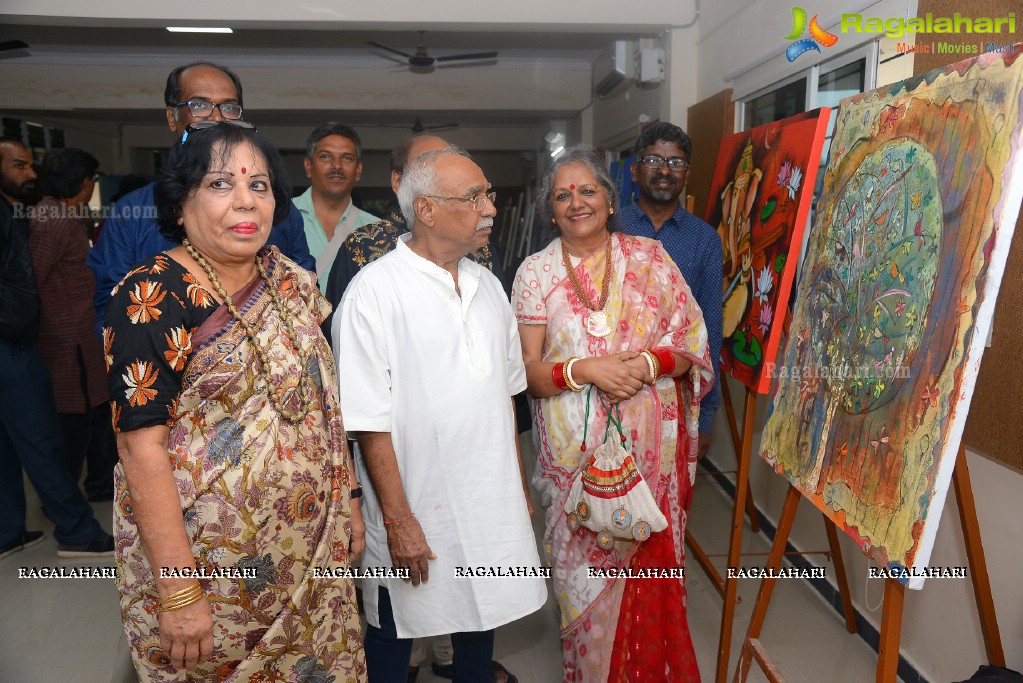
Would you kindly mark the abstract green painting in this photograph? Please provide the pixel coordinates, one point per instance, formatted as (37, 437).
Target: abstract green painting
(895, 300)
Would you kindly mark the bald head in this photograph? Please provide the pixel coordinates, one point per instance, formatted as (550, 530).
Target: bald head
(409, 150)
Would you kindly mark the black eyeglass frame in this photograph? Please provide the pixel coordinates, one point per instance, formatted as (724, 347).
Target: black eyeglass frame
(203, 125)
(213, 105)
(676, 164)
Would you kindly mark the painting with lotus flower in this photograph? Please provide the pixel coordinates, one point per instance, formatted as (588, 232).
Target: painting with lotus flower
(895, 301)
(760, 197)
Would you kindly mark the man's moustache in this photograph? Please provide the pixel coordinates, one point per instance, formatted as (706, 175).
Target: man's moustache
(485, 224)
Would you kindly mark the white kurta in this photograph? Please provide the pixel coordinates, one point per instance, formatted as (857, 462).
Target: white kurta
(438, 372)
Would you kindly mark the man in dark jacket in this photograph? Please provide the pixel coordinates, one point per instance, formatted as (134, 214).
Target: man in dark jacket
(194, 92)
(30, 434)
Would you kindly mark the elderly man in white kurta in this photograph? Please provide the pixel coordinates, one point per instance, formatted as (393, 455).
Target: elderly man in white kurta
(428, 359)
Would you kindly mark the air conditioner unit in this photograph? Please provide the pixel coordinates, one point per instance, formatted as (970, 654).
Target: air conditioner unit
(613, 70)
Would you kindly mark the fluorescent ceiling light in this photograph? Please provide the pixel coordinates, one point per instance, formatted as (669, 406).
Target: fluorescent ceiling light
(199, 29)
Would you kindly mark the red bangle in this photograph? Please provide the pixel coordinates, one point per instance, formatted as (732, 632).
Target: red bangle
(666, 358)
(558, 375)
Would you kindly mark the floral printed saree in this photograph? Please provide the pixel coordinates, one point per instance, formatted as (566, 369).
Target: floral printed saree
(265, 502)
(619, 629)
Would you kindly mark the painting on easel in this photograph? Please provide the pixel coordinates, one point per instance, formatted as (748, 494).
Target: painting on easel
(760, 197)
(921, 195)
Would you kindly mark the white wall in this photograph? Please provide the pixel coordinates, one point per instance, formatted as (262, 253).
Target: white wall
(941, 631)
(619, 119)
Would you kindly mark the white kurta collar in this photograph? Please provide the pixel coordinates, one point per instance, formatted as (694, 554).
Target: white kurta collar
(468, 271)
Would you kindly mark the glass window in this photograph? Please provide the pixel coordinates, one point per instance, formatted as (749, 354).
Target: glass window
(787, 100)
(832, 87)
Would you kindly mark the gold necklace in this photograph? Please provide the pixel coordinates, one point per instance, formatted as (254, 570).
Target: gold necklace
(264, 360)
(596, 323)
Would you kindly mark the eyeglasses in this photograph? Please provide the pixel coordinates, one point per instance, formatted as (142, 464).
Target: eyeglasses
(203, 125)
(478, 201)
(202, 109)
(654, 162)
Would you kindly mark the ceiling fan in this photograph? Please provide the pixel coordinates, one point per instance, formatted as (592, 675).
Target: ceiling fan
(423, 60)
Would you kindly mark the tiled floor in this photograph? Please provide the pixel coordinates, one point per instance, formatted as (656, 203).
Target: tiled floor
(65, 631)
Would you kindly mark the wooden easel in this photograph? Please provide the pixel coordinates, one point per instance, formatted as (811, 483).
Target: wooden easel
(894, 591)
(744, 501)
(743, 504)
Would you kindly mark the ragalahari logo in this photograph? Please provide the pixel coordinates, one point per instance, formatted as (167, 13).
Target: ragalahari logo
(817, 35)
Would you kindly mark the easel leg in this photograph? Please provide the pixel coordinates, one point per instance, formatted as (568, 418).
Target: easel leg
(788, 515)
(840, 578)
(735, 545)
(978, 563)
(891, 632)
(733, 428)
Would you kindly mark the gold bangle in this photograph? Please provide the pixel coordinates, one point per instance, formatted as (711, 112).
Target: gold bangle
(182, 602)
(655, 363)
(182, 598)
(564, 371)
(569, 380)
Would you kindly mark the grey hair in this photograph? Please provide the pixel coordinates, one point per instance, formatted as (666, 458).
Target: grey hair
(589, 157)
(420, 179)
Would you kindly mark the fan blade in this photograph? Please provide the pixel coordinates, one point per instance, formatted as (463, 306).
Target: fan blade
(443, 126)
(473, 55)
(390, 49)
(12, 45)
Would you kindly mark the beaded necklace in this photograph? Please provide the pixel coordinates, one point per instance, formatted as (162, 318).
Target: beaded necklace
(596, 323)
(264, 360)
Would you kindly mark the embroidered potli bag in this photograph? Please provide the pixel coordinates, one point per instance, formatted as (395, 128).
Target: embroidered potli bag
(609, 495)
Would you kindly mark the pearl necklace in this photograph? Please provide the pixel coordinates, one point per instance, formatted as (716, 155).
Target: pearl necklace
(264, 361)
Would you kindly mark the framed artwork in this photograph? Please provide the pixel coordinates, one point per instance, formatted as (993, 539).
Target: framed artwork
(759, 201)
(894, 304)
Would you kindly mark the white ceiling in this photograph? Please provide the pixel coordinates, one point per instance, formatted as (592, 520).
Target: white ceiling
(343, 58)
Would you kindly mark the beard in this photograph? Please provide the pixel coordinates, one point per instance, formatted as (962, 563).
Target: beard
(25, 193)
(661, 195)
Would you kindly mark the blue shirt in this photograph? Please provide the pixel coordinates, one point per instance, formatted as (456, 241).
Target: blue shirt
(695, 248)
(131, 234)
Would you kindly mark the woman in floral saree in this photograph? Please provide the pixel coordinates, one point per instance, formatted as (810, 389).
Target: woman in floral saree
(234, 519)
(612, 310)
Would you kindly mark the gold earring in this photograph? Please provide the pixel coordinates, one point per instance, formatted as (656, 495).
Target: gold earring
(554, 221)
(611, 209)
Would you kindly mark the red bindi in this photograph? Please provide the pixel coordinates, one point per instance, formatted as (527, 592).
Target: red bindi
(243, 169)
(571, 187)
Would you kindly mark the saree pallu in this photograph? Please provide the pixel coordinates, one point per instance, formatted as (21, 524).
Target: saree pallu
(262, 498)
(618, 629)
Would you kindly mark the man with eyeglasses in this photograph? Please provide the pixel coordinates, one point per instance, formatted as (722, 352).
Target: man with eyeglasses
(369, 242)
(429, 358)
(663, 152)
(333, 164)
(200, 91)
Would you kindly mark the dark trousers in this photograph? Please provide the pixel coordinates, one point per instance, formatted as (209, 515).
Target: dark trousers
(31, 438)
(387, 655)
(89, 438)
